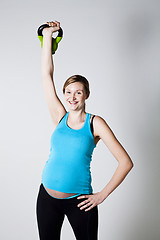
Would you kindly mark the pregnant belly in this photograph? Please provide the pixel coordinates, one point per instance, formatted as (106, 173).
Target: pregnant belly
(58, 194)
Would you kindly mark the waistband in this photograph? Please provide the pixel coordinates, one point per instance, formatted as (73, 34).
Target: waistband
(42, 186)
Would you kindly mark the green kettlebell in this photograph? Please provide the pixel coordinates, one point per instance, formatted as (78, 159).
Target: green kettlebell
(55, 41)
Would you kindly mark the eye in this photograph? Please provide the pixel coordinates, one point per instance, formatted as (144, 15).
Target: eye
(77, 92)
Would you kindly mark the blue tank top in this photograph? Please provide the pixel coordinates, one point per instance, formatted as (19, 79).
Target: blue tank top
(68, 166)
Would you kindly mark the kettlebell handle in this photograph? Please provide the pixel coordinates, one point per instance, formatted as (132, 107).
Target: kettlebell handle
(55, 41)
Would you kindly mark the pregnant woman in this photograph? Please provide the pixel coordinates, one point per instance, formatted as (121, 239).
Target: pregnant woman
(66, 189)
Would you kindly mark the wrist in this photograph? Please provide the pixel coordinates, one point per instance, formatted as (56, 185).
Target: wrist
(46, 32)
(103, 195)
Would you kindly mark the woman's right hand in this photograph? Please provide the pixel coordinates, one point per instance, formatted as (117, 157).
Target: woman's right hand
(54, 27)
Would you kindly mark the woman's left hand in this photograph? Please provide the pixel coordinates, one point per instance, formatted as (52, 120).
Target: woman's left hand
(91, 201)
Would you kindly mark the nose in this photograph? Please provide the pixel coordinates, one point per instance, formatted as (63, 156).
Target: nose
(73, 97)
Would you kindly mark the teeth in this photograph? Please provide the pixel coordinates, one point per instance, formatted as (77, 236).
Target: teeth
(73, 102)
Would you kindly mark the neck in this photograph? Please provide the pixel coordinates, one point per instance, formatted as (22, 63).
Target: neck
(77, 116)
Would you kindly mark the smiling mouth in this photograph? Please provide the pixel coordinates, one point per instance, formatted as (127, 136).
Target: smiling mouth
(73, 103)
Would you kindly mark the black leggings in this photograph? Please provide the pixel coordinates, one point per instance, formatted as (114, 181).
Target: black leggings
(51, 212)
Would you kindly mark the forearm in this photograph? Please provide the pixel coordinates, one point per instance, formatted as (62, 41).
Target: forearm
(47, 60)
(121, 172)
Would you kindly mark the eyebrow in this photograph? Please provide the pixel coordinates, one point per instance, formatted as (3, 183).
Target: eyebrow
(76, 90)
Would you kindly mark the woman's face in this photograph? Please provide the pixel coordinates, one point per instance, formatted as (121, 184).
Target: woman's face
(75, 95)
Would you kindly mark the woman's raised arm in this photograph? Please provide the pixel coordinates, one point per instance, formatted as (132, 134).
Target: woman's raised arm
(56, 108)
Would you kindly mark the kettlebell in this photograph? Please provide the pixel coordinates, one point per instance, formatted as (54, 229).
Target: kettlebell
(55, 41)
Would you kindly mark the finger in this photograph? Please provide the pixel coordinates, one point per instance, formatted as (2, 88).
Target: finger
(86, 205)
(84, 202)
(92, 206)
(57, 22)
(81, 197)
(88, 209)
(52, 24)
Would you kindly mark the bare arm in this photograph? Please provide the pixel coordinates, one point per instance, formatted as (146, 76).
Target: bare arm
(47, 60)
(56, 108)
(125, 163)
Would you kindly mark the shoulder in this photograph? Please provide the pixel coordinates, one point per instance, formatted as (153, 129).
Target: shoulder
(98, 120)
(101, 127)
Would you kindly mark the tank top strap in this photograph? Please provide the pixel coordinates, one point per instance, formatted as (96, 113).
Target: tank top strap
(91, 124)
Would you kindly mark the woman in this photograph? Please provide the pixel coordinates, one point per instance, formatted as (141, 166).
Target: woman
(66, 179)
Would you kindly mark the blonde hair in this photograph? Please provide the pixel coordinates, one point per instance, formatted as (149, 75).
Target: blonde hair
(81, 79)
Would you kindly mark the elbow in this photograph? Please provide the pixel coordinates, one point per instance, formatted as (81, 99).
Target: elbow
(127, 164)
(130, 164)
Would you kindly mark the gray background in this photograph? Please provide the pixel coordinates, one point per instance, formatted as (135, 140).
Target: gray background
(115, 45)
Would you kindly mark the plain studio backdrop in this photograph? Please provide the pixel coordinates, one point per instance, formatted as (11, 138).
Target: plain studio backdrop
(115, 45)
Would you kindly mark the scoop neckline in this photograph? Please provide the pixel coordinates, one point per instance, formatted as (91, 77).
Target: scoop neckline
(73, 128)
